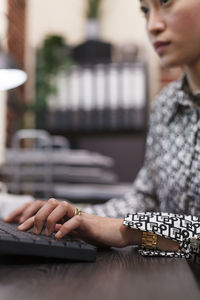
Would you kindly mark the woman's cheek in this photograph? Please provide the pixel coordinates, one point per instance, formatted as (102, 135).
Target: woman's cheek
(185, 20)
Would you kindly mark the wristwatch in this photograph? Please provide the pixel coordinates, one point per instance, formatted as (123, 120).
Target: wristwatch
(149, 240)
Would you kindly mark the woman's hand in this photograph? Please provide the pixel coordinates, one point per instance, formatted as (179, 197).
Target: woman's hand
(24, 212)
(59, 216)
(56, 216)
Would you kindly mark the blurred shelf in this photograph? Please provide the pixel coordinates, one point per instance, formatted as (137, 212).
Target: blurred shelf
(94, 122)
(77, 193)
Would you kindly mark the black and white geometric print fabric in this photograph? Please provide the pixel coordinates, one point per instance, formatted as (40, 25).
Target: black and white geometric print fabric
(174, 226)
(170, 177)
(180, 228)
(169, 180)
(178, 254)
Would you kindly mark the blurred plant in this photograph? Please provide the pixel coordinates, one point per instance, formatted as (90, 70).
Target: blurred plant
(93, 7)
(52, 57)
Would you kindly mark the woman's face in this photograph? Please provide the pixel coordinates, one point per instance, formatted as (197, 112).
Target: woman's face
(173, 27)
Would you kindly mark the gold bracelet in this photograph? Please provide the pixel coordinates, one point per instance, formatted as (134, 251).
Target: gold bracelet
(149, 240)
(77, 212)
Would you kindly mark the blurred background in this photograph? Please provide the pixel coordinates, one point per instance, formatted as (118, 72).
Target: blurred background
(92, 75)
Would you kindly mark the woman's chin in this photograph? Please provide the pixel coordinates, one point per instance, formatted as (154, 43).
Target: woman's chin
(169, 63)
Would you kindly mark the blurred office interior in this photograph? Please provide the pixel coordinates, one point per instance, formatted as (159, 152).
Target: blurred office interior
(92, 75)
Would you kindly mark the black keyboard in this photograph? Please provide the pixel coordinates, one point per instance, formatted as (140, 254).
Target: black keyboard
(17, 242)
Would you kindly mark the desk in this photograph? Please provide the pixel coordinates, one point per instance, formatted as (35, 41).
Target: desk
(117, 274)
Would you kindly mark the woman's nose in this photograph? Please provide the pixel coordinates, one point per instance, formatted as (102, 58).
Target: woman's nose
(155, 24)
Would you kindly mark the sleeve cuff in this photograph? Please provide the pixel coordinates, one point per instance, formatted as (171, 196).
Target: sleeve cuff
(183, 229)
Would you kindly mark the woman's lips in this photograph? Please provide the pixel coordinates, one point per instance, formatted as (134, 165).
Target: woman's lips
(160, 46)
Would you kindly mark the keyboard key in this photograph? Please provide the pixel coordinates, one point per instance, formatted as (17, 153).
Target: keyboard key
(17, 242)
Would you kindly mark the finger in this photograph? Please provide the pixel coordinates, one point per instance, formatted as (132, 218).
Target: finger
(72, 233)
(27, 224)
(63, 209)
(57, 227)
(14, 215)
(68, 227)
(31, 210)
(43, 213)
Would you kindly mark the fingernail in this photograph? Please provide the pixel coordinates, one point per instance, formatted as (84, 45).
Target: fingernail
(58, 234)
(20, 226)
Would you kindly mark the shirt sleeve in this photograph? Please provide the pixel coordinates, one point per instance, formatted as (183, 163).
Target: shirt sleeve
(142, 196)
(180, 228)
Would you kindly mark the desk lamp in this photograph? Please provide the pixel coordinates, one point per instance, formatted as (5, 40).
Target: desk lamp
(10, 75)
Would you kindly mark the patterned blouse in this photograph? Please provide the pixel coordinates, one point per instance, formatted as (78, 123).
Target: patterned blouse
(168, 185)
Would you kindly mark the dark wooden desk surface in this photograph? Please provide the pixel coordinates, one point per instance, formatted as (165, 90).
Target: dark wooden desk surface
(117, 275)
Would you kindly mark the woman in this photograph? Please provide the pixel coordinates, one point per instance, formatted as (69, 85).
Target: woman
(168, 184)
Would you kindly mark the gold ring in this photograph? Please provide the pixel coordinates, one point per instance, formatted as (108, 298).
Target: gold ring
(77, 212)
